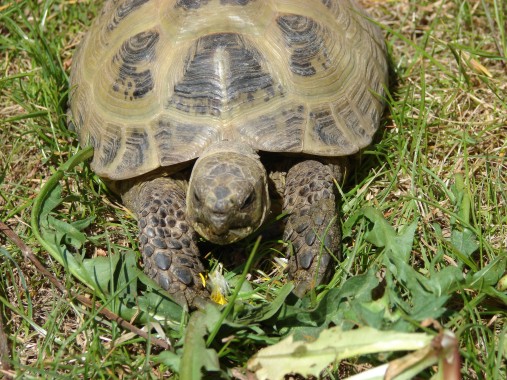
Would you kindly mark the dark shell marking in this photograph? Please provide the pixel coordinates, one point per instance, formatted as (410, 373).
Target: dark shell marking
(222, 69)
(235, 2)
(196, 4)
(123, 10)
(111, 143)
(165, 130)
(136, 50)
(136, 146)
(280, 130)
(324, 127)
(304, 38)
(191, 4)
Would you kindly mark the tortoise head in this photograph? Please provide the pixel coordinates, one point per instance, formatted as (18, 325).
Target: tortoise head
(227, 196)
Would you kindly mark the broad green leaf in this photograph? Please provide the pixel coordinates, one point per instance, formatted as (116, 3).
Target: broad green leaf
(443, 280)
(334, 344)
(407, 289)
(427, 305)
(464, 241)
(68, 233)
(196, 356)
(169, 358)
(60, 252)
(82, 224)
(160, 306)
(382, 234)
(376, 314)
(346, 304)
(358, 287)
(340, 306)
(101, 271)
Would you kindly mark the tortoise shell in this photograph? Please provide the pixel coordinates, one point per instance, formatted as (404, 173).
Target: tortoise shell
(157, 81)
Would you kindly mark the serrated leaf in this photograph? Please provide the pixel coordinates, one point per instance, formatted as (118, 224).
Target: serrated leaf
(442, 281)
(337, 307)
(334, 344)
(51, 201)
(425, 297)
(358, 287)
(71, 235)
(382, 234)
(60, 252)
(168, 358)
(346, 304)
(464, 241)
(427, 305)
(373, 314)
(196, 355)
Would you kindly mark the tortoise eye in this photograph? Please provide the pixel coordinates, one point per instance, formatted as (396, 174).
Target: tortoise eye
(249, 200)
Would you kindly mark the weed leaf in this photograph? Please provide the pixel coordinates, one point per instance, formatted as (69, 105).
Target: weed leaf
(162, 308)
(382, 234)
(100, 269)
(464, 241)
(310, 358)
(340, 306)
(407, 291)
(196, 355)
(169, 358)
(68, 234)
(51, 201)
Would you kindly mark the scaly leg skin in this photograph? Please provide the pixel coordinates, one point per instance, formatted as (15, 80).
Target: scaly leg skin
(167, 241)
(311, 228)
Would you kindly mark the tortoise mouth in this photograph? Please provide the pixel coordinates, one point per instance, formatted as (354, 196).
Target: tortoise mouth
(227, 237)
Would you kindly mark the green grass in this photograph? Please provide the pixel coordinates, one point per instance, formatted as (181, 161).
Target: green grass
(434, 248)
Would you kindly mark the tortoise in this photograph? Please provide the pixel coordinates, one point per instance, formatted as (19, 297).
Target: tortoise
(201, 111)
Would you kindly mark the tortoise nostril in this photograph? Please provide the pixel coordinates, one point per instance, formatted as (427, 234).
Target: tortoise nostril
(221, 206)
(219, 222)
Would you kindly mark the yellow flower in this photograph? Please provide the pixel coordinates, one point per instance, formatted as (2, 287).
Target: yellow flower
(219, 286)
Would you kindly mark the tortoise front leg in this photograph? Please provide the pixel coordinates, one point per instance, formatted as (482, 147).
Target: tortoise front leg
(167, 241)
(312, 229)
